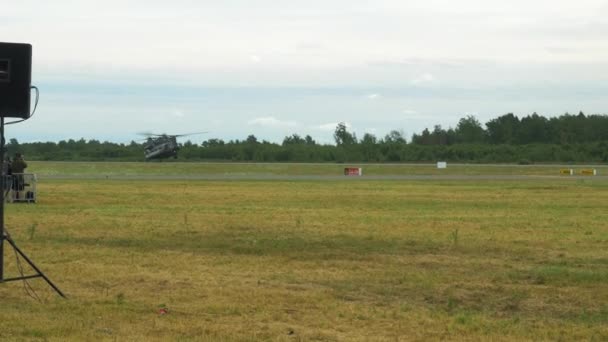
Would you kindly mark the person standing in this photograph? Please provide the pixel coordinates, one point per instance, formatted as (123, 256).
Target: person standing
(7, 174)
(18, 167)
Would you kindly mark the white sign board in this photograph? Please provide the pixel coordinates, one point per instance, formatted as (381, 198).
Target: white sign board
(442, 165)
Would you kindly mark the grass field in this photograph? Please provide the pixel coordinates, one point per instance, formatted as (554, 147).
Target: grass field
(309, 260)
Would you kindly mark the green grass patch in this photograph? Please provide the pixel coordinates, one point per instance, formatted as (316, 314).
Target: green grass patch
(283, 260)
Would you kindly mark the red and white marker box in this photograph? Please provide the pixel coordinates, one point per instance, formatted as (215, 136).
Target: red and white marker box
(353, 171)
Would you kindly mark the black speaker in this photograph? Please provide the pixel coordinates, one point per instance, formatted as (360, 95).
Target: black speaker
(15, 79)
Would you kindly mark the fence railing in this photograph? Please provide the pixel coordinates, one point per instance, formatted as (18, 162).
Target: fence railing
(20, 187)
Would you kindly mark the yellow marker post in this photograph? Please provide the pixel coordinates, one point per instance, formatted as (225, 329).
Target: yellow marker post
(588, 172)
(568, 172)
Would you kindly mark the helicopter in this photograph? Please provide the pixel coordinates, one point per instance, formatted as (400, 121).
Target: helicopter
(162, 146)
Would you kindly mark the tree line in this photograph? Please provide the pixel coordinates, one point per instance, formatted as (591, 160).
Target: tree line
(505, 139)
(508, 129)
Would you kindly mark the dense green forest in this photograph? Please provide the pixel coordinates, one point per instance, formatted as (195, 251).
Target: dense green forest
(506, 139)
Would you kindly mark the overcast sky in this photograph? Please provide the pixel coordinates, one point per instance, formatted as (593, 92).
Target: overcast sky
(109, 69)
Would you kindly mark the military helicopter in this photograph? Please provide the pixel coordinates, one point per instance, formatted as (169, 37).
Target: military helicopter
(162, 146)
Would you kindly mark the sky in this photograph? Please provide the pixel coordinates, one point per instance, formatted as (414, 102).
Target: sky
(108, 70)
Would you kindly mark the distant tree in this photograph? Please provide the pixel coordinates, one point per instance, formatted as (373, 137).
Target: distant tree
(213, 143)
(469, 130)
(343, 137)
(309, 140)
(533, 129)
(439, 136)
(503, 129)
(294, 139)
(369, 147)
(423, 139)
(369, 139)
(395, 137)
(251, 139)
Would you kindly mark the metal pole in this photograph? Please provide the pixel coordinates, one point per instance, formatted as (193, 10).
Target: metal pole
(2, 186)
(31, 263)
(3, 234)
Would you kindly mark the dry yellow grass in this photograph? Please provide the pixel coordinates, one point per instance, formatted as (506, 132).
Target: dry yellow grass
(312, 260)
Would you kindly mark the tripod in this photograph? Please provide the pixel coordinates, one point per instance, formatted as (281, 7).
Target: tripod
(5, 236)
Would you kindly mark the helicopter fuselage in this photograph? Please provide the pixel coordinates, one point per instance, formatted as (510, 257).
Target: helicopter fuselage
(161, 148)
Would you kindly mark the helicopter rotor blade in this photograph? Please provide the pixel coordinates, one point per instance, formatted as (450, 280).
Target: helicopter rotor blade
(150, 134)
(187, 134)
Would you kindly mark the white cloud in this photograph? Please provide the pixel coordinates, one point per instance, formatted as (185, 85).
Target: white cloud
(373, 96)
(327, 127)
(423, 79)
(312, 34)
(255, 59)
(415, 115)
(177, 113)
(330, 127)
(270, 121)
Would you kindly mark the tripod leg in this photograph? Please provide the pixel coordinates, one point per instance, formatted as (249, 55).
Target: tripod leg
(31, 263)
